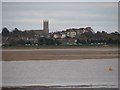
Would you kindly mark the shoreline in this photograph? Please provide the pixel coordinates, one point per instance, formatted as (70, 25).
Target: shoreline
(76, 87)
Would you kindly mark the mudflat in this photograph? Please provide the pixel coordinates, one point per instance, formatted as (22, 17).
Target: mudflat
(59, 54)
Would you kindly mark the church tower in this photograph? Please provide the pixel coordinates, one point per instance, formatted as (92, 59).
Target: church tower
(46, 27)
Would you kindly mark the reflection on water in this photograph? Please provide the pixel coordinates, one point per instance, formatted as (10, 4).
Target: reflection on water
(61, 72)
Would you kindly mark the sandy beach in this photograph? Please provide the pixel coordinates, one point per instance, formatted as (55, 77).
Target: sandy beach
(59, 54)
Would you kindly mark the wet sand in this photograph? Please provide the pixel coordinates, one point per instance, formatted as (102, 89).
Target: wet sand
(59, 54)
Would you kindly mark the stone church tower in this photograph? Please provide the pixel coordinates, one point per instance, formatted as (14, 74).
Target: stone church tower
(46, 27)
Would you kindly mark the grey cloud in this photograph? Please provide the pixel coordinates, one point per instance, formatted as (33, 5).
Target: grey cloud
(61, 15)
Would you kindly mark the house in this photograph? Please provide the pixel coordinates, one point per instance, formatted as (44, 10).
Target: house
(88, 30)
(71, 33)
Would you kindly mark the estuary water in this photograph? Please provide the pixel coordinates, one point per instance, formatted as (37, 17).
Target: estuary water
(96, 72)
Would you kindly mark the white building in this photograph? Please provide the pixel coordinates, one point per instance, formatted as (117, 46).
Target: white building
(71, 34)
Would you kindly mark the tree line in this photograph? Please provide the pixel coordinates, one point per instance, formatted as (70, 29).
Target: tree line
(18, 37)
(99, 37)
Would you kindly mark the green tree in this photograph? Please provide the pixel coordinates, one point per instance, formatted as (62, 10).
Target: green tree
(5, 32)
(47, 41)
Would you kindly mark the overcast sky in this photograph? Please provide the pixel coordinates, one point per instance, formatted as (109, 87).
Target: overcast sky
(29, 15)
(60, 0)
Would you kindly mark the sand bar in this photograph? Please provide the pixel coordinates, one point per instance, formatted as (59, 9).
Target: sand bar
(58, 54)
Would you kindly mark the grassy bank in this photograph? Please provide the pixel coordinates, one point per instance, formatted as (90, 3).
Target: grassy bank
(59, 46)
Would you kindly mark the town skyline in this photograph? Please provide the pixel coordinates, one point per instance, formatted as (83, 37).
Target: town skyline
(99, 16)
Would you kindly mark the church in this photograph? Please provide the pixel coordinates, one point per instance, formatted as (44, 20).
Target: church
(42, 33)
(45, 30)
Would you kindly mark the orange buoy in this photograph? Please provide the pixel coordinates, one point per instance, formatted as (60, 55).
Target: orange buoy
(110, 69)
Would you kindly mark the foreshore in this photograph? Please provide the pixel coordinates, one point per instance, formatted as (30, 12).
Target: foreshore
(59, 54)
(56, 88)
